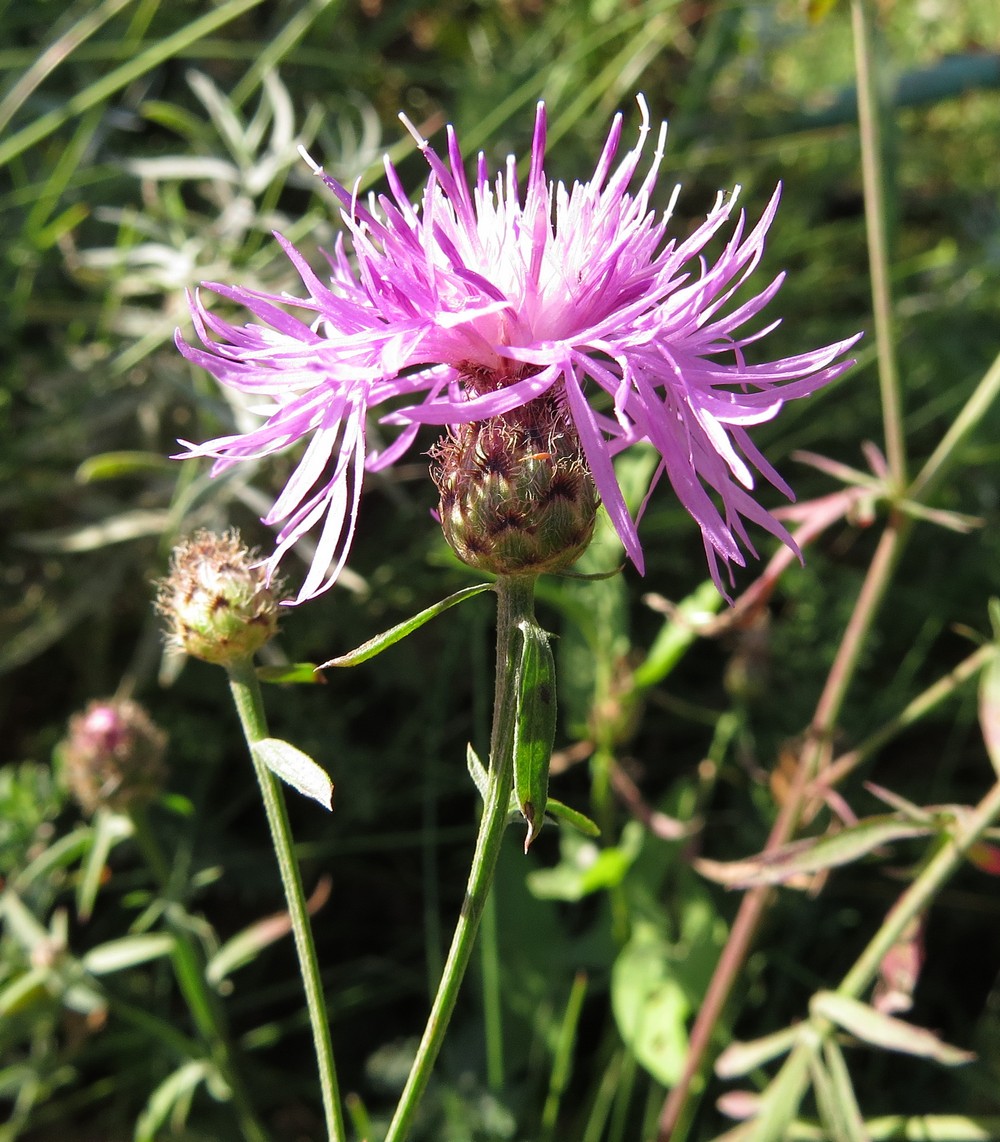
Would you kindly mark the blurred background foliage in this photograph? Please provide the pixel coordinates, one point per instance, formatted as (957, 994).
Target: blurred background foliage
(145, 147)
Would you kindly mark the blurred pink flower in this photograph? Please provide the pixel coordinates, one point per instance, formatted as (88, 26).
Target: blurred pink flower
(478, 300)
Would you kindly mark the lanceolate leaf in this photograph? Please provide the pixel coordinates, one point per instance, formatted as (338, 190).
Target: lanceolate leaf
(535, 728)
(885, 1031)
(388, 638)
(300, 672)
(813, 855)
(295, 768)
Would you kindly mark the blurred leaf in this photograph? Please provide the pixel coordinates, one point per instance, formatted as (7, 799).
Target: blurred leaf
(116, 955)
(296, 769)
(171, 1098)
(813, 855)
(113, 465)
(107, 829)
(535, 726)
(676, 635)
(989, 711)
(739, 1059)
(388, 638)
(885, 1031)
(125, 526)
(298, 673)
(585, 868)
(244, 947)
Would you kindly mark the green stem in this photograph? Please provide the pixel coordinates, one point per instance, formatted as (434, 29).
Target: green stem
(189, 968)
(874, 181)
(250, 706)
(515, 602)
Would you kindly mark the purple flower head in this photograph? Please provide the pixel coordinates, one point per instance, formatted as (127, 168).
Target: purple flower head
(481, 298)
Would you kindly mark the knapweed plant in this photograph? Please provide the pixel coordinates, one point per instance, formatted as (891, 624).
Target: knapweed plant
(545, 329)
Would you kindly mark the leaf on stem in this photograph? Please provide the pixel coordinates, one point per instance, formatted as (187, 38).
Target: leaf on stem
(812, 855)
(535, 726)
(296, 769)
(395, 634)
(885, 1031)
(291, 672)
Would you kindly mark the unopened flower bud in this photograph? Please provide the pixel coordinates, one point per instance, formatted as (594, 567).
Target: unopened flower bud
(216, 599)
(113, 756)
(517, 497)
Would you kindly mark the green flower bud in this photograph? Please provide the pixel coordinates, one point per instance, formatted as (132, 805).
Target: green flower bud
(517, 497)
(216, 599)
(113, 756)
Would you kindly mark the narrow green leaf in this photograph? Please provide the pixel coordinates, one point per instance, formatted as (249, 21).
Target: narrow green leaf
(830, 1112)
(296, 769)
(812, 855)
(885, 1031)
(741, 1058)
(175, 1090)
(116, 955)
(107, 830)
(535, 727)
(779, 1104)
(24, 991)
(579, 821)
(112, 465)
(291, 672)
(477, 771)
(676, 635)
(843, 1089)
(388, 638)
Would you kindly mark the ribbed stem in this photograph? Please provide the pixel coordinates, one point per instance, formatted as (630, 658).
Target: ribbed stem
(249, 703)
(515, 603)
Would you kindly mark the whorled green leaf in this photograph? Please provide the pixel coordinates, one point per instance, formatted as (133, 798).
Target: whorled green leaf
(851, 1117)
(989, 711)
(535, 726)
(291, 673)
(395, 634)
(885, 1031)
(814, 854)
(296, 769)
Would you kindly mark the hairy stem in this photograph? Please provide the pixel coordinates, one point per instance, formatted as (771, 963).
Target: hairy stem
(515, 602)
(249, 703)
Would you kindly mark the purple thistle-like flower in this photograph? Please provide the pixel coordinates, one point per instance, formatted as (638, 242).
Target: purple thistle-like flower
(476, 302)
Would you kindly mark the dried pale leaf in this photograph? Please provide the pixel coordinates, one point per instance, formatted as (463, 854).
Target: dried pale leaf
(740, 1058)
(118, 529)
(738, 1104)
(885, 1031)
(812, 855)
